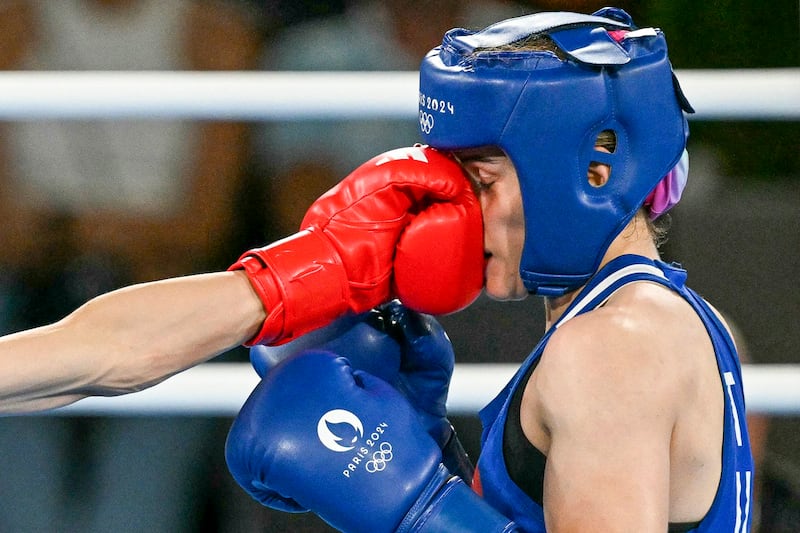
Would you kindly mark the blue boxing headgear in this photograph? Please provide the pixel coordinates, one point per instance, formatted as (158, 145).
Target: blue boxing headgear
(546, 114)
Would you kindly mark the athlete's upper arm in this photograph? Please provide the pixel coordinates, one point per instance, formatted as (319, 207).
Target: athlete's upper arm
(609, 416)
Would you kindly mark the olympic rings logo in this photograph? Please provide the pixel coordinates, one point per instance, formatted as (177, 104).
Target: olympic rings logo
(380, 458)
(426, 122)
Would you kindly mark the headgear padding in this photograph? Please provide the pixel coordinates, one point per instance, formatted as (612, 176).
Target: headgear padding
(546, 114)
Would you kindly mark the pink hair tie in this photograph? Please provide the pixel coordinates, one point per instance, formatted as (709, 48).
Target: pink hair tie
(668, 191)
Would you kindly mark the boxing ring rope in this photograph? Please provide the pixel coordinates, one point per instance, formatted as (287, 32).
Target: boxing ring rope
(219, 389)
(753, 94)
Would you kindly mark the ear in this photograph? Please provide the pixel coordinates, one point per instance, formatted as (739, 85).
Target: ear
(598, 174)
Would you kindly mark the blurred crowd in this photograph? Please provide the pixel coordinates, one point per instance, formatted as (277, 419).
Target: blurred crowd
(89, 206)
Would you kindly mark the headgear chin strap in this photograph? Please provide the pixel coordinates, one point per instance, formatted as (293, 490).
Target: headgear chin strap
(546, 114)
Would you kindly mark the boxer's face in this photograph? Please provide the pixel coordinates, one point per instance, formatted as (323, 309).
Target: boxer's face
(495, 181)
(497, 187)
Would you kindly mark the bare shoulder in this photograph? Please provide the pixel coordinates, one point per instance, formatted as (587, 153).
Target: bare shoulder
(626, 397)
(633, 355)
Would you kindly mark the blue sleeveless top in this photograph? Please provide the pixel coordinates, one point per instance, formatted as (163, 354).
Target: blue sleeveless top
(730, 511)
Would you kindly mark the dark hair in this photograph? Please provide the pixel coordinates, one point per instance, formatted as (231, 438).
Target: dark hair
(536, 41)
(658, 228)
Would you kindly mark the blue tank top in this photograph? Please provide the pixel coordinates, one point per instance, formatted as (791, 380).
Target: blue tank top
(730, 511)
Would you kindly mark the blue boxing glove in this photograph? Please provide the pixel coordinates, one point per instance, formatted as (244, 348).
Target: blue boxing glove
(360, 338)
(407, 349)
(351, 449)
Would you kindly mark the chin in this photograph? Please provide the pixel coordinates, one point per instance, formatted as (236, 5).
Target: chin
(506, 293)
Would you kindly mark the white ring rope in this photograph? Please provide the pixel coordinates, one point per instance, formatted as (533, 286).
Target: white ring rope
(220, 389)
(751, 94)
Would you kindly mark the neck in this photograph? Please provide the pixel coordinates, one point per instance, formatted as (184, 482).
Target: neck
(634, 239)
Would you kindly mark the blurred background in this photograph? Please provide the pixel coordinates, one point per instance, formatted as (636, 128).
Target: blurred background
(89, 206)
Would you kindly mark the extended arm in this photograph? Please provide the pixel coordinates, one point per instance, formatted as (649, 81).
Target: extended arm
(127, 340)
(361, 244)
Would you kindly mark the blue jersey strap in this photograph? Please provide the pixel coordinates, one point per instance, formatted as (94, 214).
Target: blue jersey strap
(596, 294)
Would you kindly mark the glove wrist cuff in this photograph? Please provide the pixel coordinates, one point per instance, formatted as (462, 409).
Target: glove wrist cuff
(447, 504)
(301, 282)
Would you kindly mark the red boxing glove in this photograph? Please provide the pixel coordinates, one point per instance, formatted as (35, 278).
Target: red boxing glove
(342, 259)
(439, 264)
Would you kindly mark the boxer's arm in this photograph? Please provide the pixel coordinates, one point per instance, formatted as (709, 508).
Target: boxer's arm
(127, 340)
(343, 261)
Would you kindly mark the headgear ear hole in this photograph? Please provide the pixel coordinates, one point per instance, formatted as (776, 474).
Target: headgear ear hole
(598, 172)
(607, 141)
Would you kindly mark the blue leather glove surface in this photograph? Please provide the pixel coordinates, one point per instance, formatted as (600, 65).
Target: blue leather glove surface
(340, 442)
(406, 349)
(322, 436)
(360, 338)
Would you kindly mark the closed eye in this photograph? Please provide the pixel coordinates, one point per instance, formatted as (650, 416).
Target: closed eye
(481, 186)
(483, 166)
